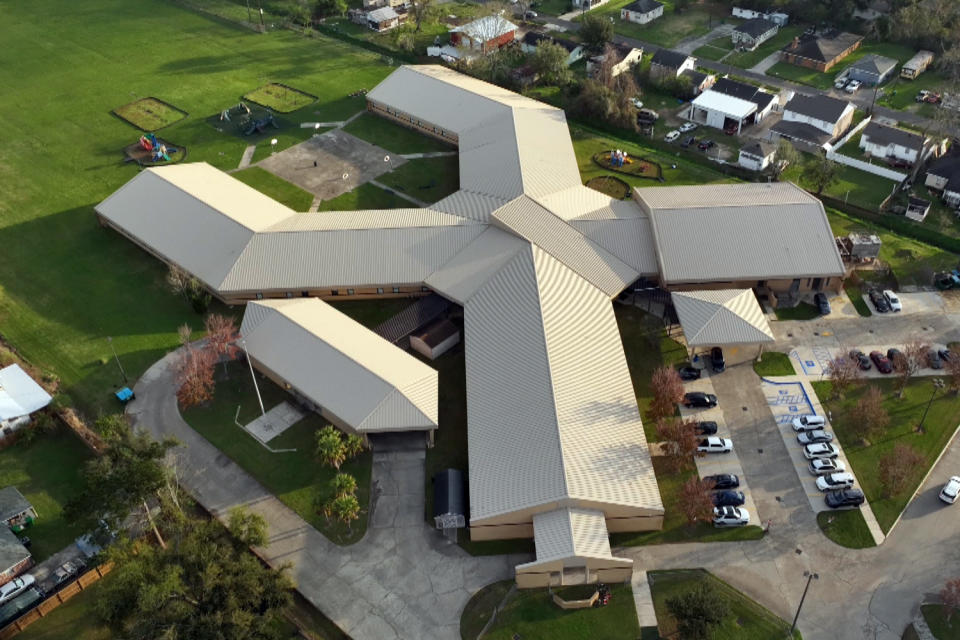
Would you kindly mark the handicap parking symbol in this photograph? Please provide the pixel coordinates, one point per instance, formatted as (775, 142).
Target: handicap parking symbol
(793, 408)
(782, 391)
(810, 363)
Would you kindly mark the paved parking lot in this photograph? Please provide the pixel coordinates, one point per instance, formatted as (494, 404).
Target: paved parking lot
(790, 398)
(813, 362)
(714, 463)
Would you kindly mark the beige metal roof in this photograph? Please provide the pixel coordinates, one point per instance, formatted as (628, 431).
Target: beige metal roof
(470, 269)
(629, 239)
(721, 316)
(722, 233)
(341, 365)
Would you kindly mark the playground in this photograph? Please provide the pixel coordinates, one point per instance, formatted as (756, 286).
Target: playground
(149, 114)
(280, 98)
(150, 150)
(252, 123)
(622, 162)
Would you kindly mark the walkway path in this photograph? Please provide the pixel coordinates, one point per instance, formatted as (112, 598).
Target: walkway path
(429, 154)
(401, 581)
(690, 45)
(247, 156)
(762, 66)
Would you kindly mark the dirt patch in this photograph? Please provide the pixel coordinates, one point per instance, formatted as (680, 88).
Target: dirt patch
(611, 186)
(149, 114)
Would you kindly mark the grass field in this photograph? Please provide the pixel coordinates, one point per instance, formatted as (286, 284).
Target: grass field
(825, 80)
(901, 93)
(853, 185)
(905, 414)
(46, 471)
(665, 31)
(277, 188)
(532, 615)
(774, 363)
(280, 98)
(847, 528)
(748, 619)
(150, 114)
(715, 49)
(936, 618)
(393, 137)
(803, 311)
(427, 179)
(855, 293)
(748, 59)
(366, 196)
(66, 283)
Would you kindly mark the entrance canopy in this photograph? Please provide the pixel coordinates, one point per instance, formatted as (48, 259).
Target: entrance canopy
(722, 316)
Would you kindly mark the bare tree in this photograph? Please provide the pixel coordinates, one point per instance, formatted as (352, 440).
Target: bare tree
(667, 388)
(184, 332)
(953, 368)
(911, 359)
(421, 10)
(870, 416)
(843, 372)
(950, 597)
(222, 337)
(694, 501)
(179, 281)
(680, 438)
(195, 377)
(897, 467)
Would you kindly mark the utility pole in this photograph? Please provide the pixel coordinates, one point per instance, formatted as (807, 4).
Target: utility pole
(263, 412)
(249, 16)
(260, 8)
(937, 385)
(810, 576)
(117, 358)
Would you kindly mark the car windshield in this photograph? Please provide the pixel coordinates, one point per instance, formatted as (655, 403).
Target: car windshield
(951, 489)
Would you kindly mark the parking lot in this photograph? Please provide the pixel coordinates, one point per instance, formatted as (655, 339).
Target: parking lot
(814, 362)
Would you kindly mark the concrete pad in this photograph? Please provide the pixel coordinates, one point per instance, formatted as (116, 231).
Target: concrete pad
(277, 420)
(335, 154)
(643, 599)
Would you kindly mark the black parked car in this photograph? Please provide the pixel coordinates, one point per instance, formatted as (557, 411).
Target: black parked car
(944, 354)
(707, 428)
(728, 498)
(699, 399)
(893, 354)
(934, 359)
(822, 303)
(716, 359)
(688, 142)
(723, 481)
(706, 144)
(862, 361)
(689, 373)
(879, 301)
(844, 498)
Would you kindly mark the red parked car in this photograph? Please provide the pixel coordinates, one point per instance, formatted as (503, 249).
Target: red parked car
(882, 362)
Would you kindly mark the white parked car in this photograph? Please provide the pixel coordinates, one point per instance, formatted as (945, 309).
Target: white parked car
(673, 135)
(809, 423)
(820, 450)
(15, 587)
(730, 517)
(893, 300)
(840, 82)
(949, 492)
(822, 466)
(810, 437)
(713, 444)
(687, 126)
(636, 102)
(835, 481)
(853, 86)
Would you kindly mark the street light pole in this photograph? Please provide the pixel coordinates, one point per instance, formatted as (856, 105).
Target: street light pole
(810, 576)
(255, 386)
(937, 385)
(117, 358)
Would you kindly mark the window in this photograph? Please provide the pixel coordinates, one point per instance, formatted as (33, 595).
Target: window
(424, 288)
(350, 292)
(396, 289)
(335, 292)
(304, 294)
(259, 296)
(379, 289)
(289, 294)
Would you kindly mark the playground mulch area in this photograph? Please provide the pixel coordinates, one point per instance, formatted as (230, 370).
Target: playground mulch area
(136, 153)
(149, 114)
(633, 166)
(280, 98)
(610, 185)
(239, 123)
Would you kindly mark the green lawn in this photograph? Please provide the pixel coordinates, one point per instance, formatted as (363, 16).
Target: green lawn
(901, 93)
(748, 59)
(392, 136)
(665, 31)
(904, 416)
(748, 619)
(286, 138)
(149, 114)
(46, 471)
(427, 179)
(855, 293)
(825, 80)
(715, 49)
(276, 187)
(65, 282)
(532, 615)
(936, 619)
(366, 196)
(847, 528)
(295, 478)
(74, 620)
(553, 7)
(280, 98)
(774, 363)
(853, 185)
(803, 311)
(802, 75)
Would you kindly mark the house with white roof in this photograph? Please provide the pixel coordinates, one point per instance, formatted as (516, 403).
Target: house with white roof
(20, 396)
(484, 35)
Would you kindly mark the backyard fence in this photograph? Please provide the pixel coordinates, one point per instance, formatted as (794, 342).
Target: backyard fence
(862, 165)
(46, 606)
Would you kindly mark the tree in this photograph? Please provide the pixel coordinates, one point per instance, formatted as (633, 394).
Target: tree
(179, 281)
(330, 8)
(595, 31)
(953, 368)
(870, 416)
(222, 337)
(194, 377)
(334, 448)
(785, 156)
(950, 597)
(550, 62)
(897, 467)
(119, 482)
(821, 172)
(912, 357)
(421, 10)
(698, 611)
(204, 585)
(694, 501)
(597, 101)
(184, 333)
(667, 388)
(343, 484)
(247, 527)
(843, 372)
(345, 508)
(680, 438)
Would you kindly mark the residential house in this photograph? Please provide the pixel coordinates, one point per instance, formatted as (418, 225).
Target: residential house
(764, 101)
(820, 51)
(872, 69)
(779, 19)
(383, 19)
(699, 82)
(484, 35)
(15, 511)
(587, 5)
(642, 11)
(20, 396)
(624, 58)
(814, 120)
(892, 143)
(532, 39)
(754, 32)
(944, 176)
(14, 557)
(667, 64)
(369, 5)
(757, 155)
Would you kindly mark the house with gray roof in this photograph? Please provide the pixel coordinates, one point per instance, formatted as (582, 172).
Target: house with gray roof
(15, 510)
(872, 69)
(944, 176)
(14, 557)
(756, 155)
(890, 142)
(814, 120)
(820, 51)
(667, 64)
(642, 11)
(754, 32)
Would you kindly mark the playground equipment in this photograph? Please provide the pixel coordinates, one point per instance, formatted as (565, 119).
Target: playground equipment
(159, 152)
(619, 158)
(259, 125)
(239, 108)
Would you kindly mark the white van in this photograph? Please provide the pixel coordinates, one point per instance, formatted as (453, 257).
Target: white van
(808, 423)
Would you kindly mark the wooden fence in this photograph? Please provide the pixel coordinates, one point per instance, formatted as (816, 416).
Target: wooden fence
(45, 607)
